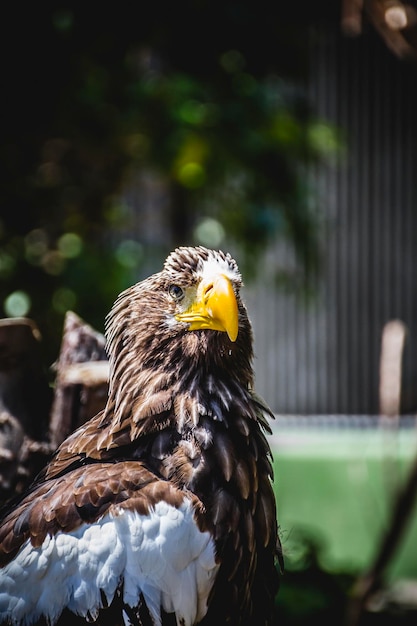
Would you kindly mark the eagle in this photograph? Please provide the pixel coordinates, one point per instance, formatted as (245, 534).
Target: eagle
(160, 510)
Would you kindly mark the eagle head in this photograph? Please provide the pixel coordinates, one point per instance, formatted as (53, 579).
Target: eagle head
(193, 312)
(205, 294)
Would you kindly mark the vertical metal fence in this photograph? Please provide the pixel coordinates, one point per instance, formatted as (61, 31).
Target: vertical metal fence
(324, 358)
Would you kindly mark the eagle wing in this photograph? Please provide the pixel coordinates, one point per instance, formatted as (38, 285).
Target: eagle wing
(109, 532)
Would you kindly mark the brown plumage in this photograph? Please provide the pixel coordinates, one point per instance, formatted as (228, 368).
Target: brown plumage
(182, 426)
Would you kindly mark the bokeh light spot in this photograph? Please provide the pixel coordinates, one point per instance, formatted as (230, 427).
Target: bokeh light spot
(17, 304)
(129, 253)
(70, 245)
(192, 175)
(7, 264)
(209, 232)
(36, 245)
(285, 129)
(193, 112)
(64, 299)
(323, 139)
(53, 262)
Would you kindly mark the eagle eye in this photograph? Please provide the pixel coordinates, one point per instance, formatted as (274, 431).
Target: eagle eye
(175, 292)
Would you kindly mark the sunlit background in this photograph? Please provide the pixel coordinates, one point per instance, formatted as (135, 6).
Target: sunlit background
(285, 134)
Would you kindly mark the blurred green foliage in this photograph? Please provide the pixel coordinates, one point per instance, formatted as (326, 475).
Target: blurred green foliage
(203, 95)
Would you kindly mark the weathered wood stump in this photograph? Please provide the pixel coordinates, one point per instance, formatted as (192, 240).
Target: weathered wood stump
(35, 416)
(81, 378)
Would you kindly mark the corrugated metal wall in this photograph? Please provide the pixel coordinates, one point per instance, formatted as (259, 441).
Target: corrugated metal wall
(325, 358)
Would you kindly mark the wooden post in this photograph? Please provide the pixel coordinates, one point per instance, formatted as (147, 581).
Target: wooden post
(81, 378)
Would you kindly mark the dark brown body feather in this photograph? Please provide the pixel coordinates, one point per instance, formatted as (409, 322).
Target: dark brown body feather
(181, 418)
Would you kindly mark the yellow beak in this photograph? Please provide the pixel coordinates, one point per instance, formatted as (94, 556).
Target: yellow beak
(215, 307)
